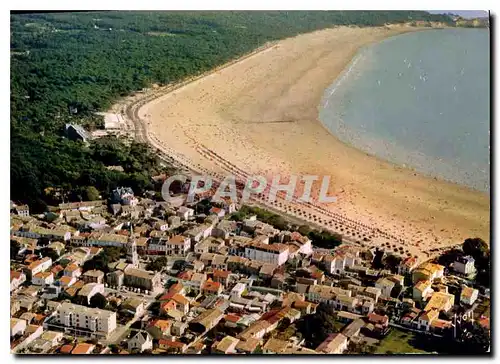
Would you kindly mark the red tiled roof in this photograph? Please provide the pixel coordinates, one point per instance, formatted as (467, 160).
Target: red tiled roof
(82, 348)
(221, 273)
(66, 349)
(14, 274)
(232, 318)
(211, 286)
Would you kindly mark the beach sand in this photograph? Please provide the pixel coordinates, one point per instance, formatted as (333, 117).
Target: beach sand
(261, 114)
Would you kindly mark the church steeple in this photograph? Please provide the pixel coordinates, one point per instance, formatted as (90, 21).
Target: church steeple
(132, 256)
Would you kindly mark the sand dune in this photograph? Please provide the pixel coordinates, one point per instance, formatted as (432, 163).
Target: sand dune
(261, 115)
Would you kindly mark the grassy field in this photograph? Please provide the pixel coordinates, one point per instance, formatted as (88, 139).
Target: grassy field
(398, 342)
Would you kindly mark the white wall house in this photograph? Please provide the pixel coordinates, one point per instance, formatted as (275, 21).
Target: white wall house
(268, 253)
(464, 265)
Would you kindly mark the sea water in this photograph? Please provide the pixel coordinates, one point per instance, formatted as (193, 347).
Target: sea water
(420, 100)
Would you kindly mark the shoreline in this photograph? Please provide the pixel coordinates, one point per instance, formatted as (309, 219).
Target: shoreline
(337, 82)
(243, 106)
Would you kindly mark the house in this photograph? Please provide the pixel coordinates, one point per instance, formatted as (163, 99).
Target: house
(217, 212)
(440, 301)
(72, 270)
(134, 306)
(182, 303)
(441, 326)
(116, 278)
(410, 318)
(221, 276)
(93, 276)
(178, 245)
(464, 265)
(17, 326)
(125, 196)
(219, 262)
(178, 328)
(15, 305)
(83, 349)
(334, 264)
(140, 342)
(159, 329)
(16, 279)
(247, 346)
(76, 132)
(23, 210)
(196, 282)
(274, 346)
(199, 232)
(65, 281)
(267, 270)
(211, 288)
(184, 213)
(468, 295)
(206, 320)
(225, 346)
(380, 323)
(170, 346)
(43, 279)
(427, 272)
(268, 253)
(422, 290)
(353, 329)
(426, 318)
(256, 330)
(385, 285)
(89, 290)
(407, 266)
(333, 344)
(38, 266)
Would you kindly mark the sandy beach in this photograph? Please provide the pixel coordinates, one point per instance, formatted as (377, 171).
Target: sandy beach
(260, 115)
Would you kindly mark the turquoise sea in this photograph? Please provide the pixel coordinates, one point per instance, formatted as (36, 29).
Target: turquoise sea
(421, 100)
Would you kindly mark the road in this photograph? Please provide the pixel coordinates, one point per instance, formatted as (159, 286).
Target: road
(121, 331)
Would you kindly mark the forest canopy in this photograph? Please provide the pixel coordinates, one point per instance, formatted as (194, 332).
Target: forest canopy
(85, 61)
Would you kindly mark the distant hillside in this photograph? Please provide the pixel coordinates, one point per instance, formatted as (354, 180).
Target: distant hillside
(473, 23)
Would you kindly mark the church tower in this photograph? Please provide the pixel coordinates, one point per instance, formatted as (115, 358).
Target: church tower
(132, 256)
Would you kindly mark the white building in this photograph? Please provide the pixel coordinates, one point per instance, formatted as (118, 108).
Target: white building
(238, 289)
(94, 321)
(17, 326)
(178, 245)
(334, 264)
(468, 295)
(38, 266)
(267, 253)
(185, 212)
(199, 233)
(464, 265)
(43, 279)
(23, 210)
(16, 279)
(140, 342)
(91, 289)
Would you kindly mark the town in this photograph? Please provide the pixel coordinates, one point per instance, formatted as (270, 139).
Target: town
(134, 274)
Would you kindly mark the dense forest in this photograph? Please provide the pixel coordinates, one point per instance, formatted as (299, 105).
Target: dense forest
(62, 62)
